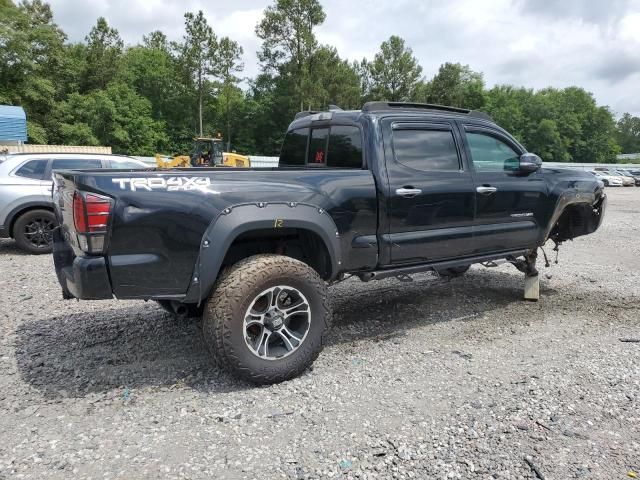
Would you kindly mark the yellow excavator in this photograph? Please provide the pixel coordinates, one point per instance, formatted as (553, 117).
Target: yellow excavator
(207, 152)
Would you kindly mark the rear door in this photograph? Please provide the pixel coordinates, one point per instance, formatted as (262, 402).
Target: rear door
(431, 196)
(507, 200)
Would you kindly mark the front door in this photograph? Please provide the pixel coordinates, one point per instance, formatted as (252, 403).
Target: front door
(431, 196)
(507, 200)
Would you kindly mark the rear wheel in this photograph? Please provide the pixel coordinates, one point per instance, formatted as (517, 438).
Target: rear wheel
(267, 318)
(33, 231)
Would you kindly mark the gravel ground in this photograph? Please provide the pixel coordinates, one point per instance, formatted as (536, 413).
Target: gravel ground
(456, 379)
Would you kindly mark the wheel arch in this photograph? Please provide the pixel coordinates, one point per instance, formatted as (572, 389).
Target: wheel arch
(21, 209)
(262, 222)
(576, 215)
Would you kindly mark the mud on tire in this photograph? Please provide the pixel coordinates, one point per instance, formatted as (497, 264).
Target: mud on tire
(260, 297)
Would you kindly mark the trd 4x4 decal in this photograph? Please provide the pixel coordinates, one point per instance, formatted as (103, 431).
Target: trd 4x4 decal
(159, 183)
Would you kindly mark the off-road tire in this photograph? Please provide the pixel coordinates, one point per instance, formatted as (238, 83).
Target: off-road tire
(19, 230)
(237, 287)
(454, 272)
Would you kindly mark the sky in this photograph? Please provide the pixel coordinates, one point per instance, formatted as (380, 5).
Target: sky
(594, 44)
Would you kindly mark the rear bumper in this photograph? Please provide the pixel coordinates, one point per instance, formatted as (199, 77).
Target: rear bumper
(84, 278)
(4, 232)
(87, 279)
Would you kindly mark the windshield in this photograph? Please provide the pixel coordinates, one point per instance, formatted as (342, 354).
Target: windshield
(216, 155)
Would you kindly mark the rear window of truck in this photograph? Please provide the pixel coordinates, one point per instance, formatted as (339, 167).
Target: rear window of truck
(338, 146)
(294, 148)
(345, 147)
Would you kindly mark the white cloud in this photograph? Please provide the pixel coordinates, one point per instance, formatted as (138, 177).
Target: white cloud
(533, 43)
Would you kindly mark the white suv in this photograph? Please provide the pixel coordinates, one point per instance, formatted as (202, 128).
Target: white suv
(26, 210)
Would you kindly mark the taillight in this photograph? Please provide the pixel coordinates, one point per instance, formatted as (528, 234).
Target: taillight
(90, 217)
(79, 216)
(98, 210)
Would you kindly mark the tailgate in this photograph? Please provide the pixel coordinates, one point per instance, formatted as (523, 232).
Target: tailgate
(80, 275)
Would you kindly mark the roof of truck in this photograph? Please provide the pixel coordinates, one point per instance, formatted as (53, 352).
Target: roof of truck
(385, 108)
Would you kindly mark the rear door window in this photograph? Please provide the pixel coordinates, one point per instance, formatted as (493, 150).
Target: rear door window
(75, 164)
(33, 169)
(294, 148)
(428, 150)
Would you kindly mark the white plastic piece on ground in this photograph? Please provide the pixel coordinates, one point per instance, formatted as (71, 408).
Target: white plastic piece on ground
(532, 288)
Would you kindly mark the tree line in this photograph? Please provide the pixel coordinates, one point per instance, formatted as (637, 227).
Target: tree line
(157, 95)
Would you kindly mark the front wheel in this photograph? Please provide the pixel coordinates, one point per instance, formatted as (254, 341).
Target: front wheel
(33, 231)
(267, 318)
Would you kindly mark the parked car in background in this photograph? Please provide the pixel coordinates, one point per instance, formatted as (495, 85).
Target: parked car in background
(627, 180)
(26, 209)
(626, 174)
(636, 175)
(607, 179)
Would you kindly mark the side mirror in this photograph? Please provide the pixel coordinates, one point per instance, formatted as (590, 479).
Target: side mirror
(530, 162)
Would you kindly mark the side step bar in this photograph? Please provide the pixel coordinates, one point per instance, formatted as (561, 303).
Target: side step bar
(411, 269)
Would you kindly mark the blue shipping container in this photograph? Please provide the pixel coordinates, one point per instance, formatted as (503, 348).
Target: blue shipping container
(13, 124)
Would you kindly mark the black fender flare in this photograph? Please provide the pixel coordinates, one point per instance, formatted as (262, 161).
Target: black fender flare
(235, 220)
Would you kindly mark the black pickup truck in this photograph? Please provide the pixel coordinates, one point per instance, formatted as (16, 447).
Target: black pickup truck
(386, 191)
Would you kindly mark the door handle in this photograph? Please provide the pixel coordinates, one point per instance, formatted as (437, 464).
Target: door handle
(486, 190)
(408, 192)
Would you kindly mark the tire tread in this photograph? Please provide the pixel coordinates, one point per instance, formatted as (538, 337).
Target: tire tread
(229, 291)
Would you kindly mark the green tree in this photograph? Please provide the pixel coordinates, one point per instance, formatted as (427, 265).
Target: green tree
(31, 54)
(546, 141)
(338, 80)
(104, 50)
(559, 125)
(198, 55)
(456, 85)
(506, 105)
(289, 44)
(270, 108)
(156, 40)
(394, 72)
(116, 116)
(628, 133)
(228, 65)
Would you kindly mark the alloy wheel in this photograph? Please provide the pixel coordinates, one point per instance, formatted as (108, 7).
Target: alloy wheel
(277, 322)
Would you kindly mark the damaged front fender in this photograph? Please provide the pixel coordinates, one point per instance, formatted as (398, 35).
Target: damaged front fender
(579, 219)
